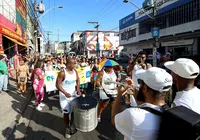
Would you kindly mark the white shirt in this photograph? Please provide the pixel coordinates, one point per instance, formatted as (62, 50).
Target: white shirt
(134, 78)
(138, 124)
(69, 83)
(189, 99)
(111, 88)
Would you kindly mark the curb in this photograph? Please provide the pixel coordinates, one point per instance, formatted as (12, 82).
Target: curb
(10, 130)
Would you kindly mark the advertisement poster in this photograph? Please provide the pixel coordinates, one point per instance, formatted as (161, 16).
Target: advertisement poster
(84, 74)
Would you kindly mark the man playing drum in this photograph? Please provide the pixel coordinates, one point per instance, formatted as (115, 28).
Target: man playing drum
(68, 84)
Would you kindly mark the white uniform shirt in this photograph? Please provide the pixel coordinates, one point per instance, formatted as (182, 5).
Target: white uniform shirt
(189, 99)
(111, 88)
(134, 78)
(69, 85)
(138, 124)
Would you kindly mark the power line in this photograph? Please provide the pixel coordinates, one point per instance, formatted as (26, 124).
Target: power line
(113, 10)
(114, 28)
(104, 7)
(107, 8)
(53, 14)
(49, 14)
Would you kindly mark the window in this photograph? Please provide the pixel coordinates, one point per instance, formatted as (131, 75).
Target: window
(7, 9)
(186, 13)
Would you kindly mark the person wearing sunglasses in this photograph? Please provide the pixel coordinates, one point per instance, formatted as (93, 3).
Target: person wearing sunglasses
(138, 64)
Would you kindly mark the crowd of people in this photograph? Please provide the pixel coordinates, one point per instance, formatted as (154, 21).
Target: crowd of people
(150, 88)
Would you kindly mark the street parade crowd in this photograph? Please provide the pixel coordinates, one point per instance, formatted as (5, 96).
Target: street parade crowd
(144, 89)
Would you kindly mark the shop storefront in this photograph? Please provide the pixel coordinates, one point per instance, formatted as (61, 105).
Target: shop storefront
(11, 40)
(181, 48)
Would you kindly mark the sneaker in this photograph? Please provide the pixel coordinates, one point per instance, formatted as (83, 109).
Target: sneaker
(72, 129)
(99, 119)
(41, 105)
(67, 133)
(38, 108)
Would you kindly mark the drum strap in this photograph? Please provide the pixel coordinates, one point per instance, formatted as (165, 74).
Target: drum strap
(109, 95)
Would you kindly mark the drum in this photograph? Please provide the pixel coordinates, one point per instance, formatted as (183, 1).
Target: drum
(85, 113)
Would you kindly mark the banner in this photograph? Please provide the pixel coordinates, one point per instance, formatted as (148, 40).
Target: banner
(50, 80)
(51, 76)
(84, 74)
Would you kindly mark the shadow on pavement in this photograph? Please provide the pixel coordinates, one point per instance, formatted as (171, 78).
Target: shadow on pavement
(48, 124)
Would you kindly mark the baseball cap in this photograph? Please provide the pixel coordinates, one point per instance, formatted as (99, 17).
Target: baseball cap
(155, 78)
(183, 67)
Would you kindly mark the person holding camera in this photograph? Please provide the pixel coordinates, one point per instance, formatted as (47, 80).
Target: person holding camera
(139, 63)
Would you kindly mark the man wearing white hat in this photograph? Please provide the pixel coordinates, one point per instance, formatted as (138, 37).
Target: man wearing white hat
(184, 73)
(137, 123)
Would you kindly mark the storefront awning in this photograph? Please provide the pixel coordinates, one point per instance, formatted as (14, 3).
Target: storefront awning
(15, 41)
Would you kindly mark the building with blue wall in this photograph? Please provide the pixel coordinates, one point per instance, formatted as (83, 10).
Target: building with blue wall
(179, 24)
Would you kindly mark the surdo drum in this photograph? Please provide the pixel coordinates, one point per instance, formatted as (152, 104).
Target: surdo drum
(85, 113)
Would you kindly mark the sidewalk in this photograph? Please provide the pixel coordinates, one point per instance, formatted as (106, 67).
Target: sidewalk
(12, 106)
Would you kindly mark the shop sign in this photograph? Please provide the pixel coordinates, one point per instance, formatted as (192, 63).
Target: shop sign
(11, 34)
(178, 42)
(127, 34)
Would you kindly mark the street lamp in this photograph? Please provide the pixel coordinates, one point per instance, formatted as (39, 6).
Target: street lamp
(49, 10)
(37, 18)
(155, 31)
(97, 44)
(127, 1)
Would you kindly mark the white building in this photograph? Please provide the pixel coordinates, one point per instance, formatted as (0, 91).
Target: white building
(179, 23)
(108, 40)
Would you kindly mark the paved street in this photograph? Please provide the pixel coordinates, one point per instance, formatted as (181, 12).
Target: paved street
(10, 106)
(48, 124)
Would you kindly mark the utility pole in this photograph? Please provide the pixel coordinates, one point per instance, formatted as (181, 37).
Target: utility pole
(150, 4)
(97, 44)
(48, 48)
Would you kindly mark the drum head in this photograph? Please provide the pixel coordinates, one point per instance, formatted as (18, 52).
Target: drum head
(84, 103)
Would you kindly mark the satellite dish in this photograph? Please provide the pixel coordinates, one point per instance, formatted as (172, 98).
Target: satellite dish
(41, 8)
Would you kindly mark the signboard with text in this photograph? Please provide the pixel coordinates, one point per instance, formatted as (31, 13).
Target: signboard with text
(9, 33)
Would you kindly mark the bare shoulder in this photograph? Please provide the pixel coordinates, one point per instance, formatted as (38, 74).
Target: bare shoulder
(61, 73)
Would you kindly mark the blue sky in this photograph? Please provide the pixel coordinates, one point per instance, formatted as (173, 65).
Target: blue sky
(76, 13)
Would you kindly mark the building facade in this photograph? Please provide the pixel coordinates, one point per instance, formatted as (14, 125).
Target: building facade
(179, 24)
(16, 27)
(108, 40)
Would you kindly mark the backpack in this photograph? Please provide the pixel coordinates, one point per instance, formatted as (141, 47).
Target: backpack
(178, 123)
